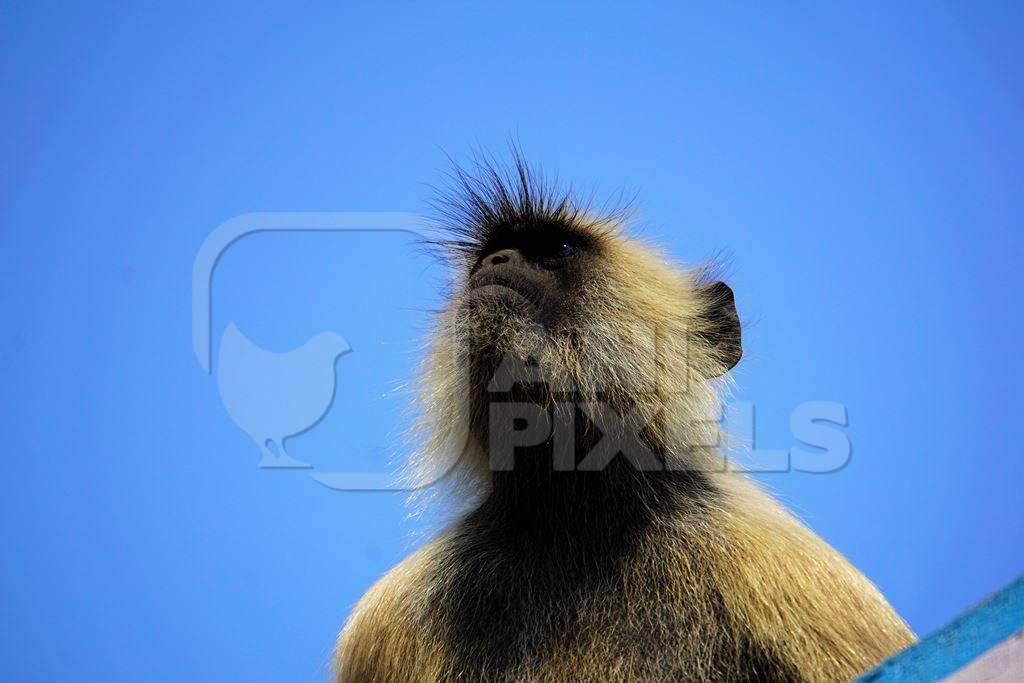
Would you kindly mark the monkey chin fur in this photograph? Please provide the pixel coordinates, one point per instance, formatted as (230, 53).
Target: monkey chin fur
(658, 564)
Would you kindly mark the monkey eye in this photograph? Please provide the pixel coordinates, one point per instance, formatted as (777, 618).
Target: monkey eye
(557, 251)
(566, 248)
(563, 246)
(551, 249)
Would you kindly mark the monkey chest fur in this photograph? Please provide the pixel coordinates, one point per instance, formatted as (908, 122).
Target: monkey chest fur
(619, 603)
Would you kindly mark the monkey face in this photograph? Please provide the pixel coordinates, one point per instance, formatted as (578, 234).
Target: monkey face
(528, 253)
(531, 273)
(593, 310)
(521, 292)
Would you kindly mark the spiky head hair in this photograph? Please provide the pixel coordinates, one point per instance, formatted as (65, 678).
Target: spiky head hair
(489, 199)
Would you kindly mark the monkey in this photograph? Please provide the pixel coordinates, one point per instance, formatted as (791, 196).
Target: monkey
(579, 375)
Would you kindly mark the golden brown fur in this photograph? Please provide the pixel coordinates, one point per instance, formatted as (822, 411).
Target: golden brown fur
(798, 596)
(708, 580)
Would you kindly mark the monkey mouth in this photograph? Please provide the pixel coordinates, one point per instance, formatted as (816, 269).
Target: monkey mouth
(501, 297)
(509, 290)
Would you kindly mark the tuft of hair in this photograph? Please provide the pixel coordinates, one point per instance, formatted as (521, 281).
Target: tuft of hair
(490, 196)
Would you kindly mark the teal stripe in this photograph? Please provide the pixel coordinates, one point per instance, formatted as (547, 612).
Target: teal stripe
(959, 643)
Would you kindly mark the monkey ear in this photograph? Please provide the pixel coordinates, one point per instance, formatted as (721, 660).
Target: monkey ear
(721, 325)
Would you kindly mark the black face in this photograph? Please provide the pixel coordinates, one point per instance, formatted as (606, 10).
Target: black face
(537, 268)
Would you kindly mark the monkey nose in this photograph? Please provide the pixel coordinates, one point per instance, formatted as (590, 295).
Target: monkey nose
(499, 257)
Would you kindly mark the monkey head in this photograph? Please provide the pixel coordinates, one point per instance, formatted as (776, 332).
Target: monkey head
(553, 304)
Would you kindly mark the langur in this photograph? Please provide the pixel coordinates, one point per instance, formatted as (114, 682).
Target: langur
(573, 384)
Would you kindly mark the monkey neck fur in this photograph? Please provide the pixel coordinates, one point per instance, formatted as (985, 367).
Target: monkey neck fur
(573, 456)
(554, 492)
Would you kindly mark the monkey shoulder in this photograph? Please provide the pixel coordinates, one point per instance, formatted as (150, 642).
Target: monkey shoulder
(796, 594)
(389, 635)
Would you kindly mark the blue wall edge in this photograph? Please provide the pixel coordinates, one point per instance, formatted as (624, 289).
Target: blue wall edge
(959, 642)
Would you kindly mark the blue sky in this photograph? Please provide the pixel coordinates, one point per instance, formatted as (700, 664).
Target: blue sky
(859, 163)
